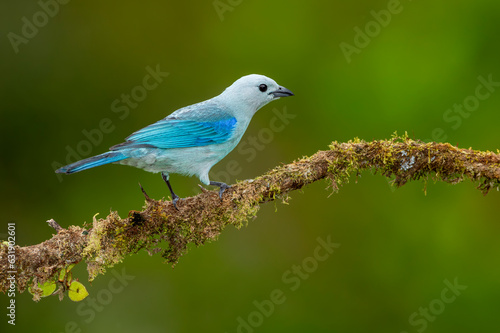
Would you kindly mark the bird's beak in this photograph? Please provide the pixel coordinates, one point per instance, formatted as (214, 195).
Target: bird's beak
(281, 92)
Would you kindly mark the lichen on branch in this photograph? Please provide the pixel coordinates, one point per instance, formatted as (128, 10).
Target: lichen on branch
(160, 228)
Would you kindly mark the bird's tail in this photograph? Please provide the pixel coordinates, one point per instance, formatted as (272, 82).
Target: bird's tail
(109, 157)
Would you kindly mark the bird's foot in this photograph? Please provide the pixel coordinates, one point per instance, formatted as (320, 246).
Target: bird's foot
(222, 187)
(175, 198)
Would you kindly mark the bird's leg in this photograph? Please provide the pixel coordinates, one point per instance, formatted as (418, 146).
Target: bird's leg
(175, 197)
(222, 187)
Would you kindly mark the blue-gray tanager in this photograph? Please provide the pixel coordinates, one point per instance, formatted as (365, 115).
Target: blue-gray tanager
(192, 139)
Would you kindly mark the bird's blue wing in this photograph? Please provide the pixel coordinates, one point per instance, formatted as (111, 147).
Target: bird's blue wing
(198, 125)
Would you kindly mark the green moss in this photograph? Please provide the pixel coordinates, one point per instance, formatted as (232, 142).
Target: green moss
(160, 228)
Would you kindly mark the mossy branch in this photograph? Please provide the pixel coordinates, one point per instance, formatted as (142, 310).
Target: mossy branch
(203, 217)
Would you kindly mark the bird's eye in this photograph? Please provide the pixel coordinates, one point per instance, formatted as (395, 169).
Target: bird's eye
(263, 87)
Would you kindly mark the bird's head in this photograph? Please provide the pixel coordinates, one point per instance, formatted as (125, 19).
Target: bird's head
(251, 92)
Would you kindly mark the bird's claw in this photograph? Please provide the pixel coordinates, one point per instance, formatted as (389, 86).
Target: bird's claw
(222, 189)
(174, 201)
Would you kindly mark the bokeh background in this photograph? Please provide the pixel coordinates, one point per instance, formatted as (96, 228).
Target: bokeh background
(397, 246)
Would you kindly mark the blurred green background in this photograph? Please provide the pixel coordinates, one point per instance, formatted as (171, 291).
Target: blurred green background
(396, 246)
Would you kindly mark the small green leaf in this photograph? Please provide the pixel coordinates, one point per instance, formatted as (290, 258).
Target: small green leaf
(48, 288)
(69, 278)
(77, 291)
(62, 274)
(70, 266)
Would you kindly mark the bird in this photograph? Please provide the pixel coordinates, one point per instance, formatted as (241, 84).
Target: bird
(192, 139)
